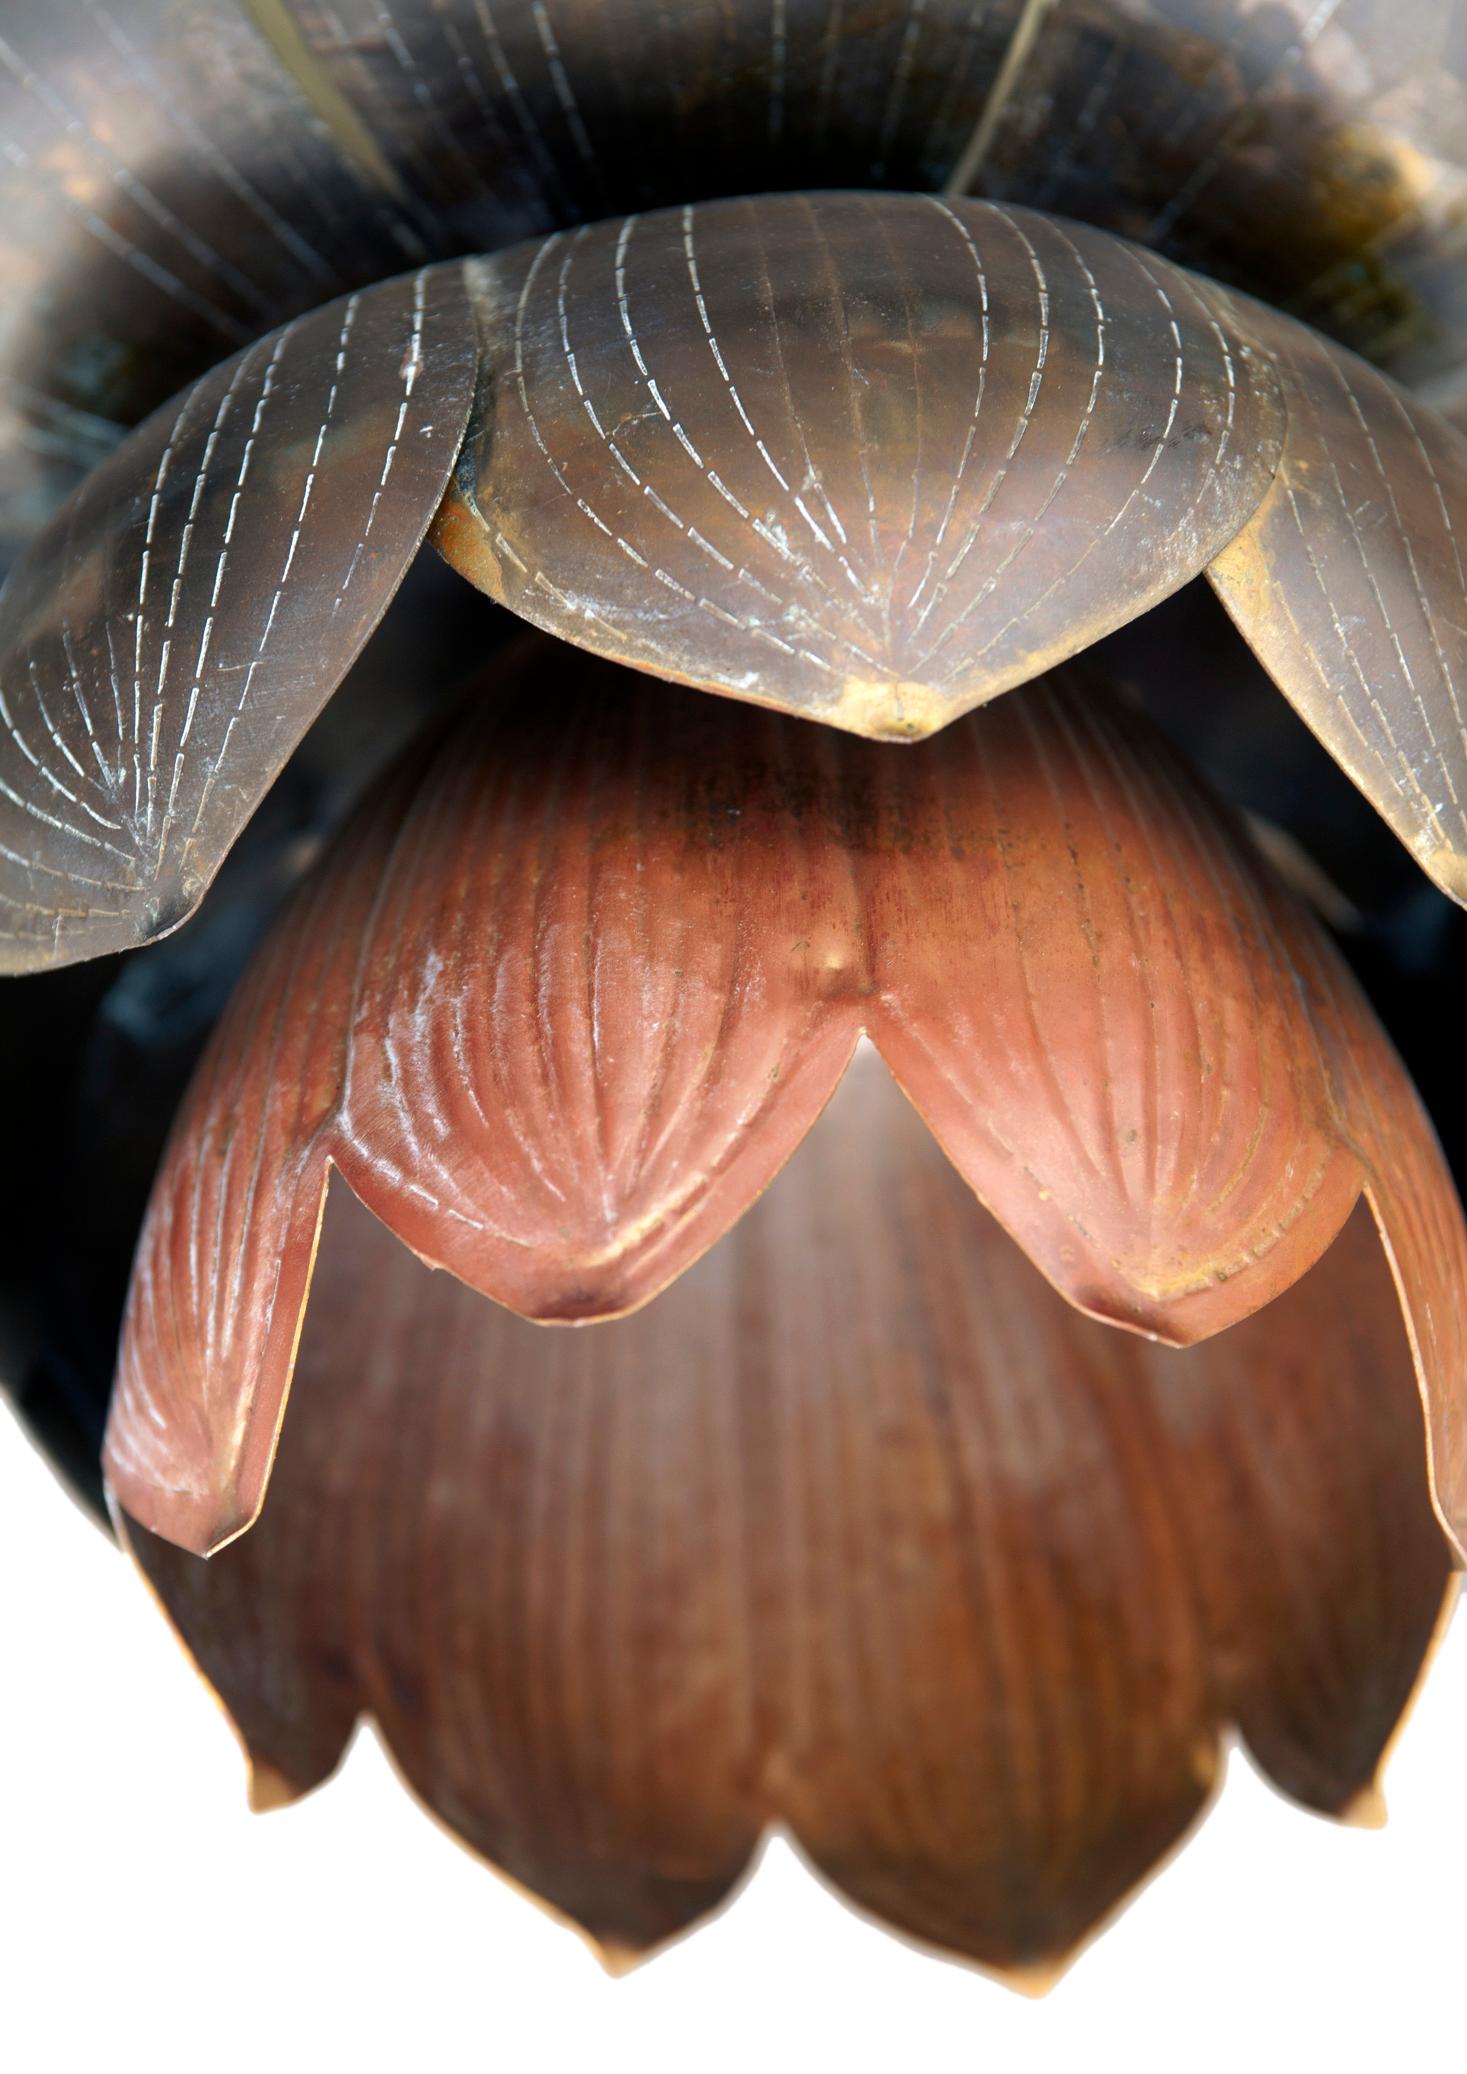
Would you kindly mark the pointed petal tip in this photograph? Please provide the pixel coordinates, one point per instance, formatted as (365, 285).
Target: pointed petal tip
(1447, 868)
(201, 1523)
(1365, 1809)
(267, 1787)
(891, 710)
(1037, 1978)
(617, 1958)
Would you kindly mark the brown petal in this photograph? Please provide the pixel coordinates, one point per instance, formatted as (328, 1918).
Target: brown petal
(167, 193)
(176, 181)
(870, 458)
(860, 1530)
(1312, 154)
(573, 986)
(167, 640)
(1348, 581)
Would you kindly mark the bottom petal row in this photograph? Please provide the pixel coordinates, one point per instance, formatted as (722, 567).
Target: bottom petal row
(860, 1530)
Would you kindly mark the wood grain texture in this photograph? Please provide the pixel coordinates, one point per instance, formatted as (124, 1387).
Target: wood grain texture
(1349, 583)
(869, 458)
(860, 1531)
(167, 640)
(572, 986)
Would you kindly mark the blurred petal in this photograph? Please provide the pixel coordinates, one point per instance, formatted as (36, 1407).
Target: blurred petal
(574, 984)
(168, 639)
(571, 109)
(861, 1530)
(1349, 579)
(1315, 155)
(168, 191)
(870, 458)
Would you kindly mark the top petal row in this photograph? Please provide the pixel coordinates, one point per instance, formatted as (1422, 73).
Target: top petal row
(178, 176)
(872, 459)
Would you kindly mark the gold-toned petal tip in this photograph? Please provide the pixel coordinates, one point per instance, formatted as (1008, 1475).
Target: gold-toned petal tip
(617, 1959)
(1037, 1978)
(1447, 866)
(1367, 1810)
(267, 1787)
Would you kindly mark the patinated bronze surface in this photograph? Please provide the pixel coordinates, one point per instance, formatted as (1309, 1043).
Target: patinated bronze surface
(844, 365)
(167, 641)
(873, 459)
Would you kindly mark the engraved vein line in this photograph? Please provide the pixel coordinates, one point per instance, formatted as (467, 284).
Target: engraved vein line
(1033, 525)
(1022, 423)
(1383, 610)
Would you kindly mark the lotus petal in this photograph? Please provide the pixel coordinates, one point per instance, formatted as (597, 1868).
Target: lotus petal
(176, 178)
(873, 459)
(167, 640)
(1315, 155)
(860, 1531)
(1349, 582)
(572, 986)
(169, 190)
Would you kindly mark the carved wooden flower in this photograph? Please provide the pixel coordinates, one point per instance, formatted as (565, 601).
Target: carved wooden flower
(848, 1054)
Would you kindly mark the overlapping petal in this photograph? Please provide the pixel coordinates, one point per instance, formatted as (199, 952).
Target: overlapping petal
(167, 640)
(1348, 582)
(575, 982)
(879, 458)
(872, 458)
(177, 179)
(860, 1530)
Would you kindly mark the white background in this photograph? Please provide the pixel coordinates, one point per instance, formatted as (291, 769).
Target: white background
(151, 1922)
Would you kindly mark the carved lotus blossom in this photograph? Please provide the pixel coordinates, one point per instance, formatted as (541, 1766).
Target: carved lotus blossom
(813, 379)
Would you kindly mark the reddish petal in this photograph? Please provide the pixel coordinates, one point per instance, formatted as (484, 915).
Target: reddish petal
(1092, 1003)
(571, 989)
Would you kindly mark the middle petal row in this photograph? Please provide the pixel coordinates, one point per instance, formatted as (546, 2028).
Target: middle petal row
(580, 975)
